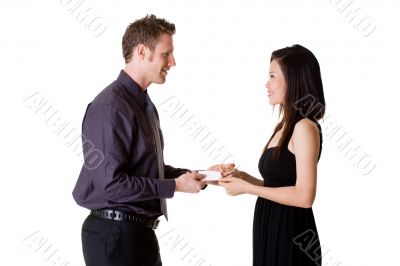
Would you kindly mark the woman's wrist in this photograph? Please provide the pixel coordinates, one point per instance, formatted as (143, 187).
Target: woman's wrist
(243, 175)
(248, 188)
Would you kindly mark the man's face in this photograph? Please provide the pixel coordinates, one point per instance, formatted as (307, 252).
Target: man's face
(160, 60)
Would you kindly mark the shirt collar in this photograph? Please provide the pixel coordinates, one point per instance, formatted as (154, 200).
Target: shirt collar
(133, 88)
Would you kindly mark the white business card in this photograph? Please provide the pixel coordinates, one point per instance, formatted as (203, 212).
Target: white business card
(210, 175)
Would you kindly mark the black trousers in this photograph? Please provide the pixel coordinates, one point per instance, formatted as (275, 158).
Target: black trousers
(115, 243)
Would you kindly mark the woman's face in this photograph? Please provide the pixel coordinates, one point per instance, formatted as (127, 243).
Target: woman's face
(276, 84)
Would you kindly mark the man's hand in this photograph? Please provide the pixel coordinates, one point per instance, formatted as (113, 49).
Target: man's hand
(191, 182)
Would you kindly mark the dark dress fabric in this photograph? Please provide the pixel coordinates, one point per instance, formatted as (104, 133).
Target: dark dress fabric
(283, 235)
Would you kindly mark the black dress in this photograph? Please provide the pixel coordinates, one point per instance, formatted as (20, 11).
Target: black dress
(283, 235)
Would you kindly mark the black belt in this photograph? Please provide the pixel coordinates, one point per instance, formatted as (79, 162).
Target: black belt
(117, 215)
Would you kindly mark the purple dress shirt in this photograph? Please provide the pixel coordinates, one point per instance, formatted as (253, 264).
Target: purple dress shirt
(116, 126)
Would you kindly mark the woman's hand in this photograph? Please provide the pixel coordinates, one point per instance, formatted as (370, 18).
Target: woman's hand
(237, 173)
(228, 169)
(234, 186)
(224, 169)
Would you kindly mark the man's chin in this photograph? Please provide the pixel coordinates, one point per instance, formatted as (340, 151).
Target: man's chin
(160, 81)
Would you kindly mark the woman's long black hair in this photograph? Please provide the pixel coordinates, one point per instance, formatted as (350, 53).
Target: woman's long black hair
(304, 92)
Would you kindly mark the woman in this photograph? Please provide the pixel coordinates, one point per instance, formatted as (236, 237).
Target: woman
(284, 230)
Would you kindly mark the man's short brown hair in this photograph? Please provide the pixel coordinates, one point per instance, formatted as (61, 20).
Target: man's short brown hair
(146, 31)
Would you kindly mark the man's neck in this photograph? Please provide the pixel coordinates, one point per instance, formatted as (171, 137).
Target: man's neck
(136, 76)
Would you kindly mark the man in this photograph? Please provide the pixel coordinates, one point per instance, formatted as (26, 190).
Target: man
(126, 192)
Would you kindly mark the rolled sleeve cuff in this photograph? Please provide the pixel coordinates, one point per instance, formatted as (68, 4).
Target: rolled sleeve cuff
(166, 188)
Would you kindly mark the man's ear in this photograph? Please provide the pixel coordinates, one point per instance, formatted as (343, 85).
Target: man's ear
(140, 51)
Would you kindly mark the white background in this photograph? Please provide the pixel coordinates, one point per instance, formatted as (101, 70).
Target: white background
(222, 51)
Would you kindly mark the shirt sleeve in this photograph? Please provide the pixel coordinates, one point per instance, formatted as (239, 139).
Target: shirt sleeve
(172, 172)
(111, 132)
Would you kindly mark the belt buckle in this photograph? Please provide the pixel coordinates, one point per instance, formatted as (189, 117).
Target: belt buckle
(155, 224)
(118, 215)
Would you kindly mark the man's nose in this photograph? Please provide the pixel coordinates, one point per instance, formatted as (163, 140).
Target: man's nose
(171, 61)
